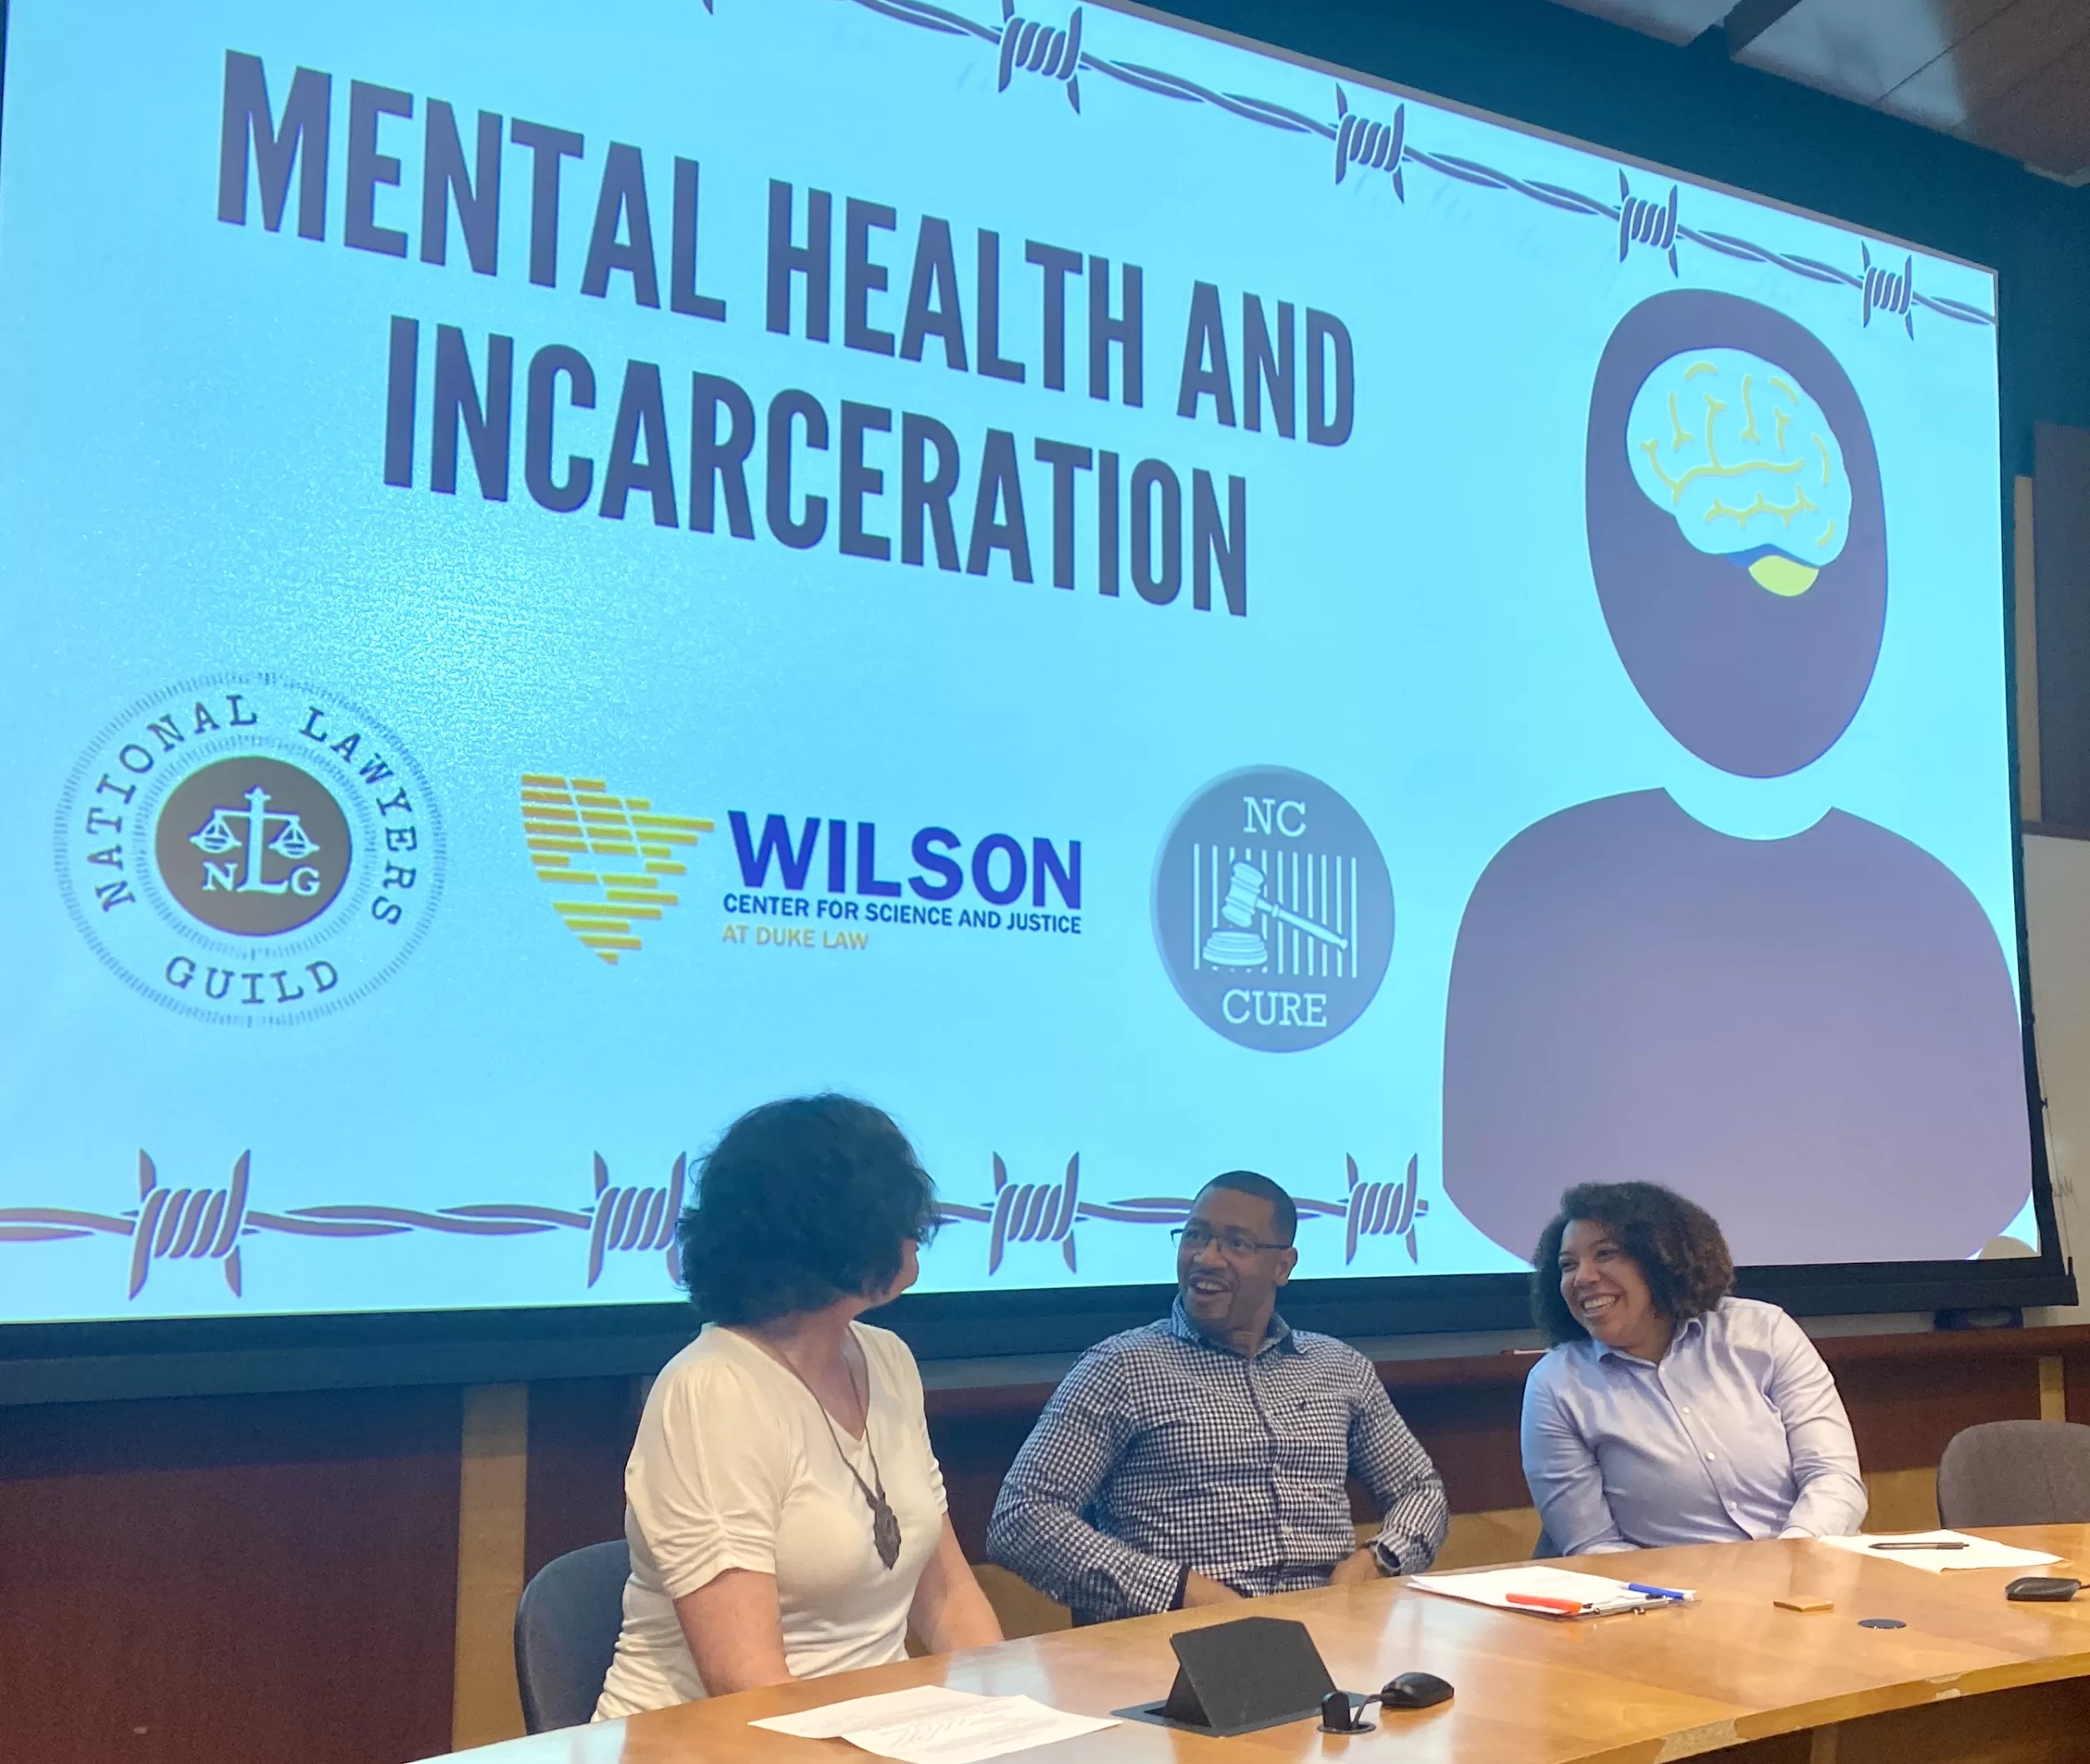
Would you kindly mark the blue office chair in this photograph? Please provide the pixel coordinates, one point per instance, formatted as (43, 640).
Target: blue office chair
(566, 1633)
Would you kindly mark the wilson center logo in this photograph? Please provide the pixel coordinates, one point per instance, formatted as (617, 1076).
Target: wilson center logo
(608, 858)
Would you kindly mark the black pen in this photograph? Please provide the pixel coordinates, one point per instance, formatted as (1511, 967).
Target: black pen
(1919, 1543)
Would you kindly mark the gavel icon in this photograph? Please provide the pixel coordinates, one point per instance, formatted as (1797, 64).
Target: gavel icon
(1244, 899)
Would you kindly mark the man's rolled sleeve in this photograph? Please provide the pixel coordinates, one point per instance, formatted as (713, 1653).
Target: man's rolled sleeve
(1037, 1530)
(1388, 1459)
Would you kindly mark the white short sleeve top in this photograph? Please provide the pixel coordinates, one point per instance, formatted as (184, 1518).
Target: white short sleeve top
(734, 1468)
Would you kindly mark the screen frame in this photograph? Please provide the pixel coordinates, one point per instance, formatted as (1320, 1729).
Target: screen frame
(124, 1358)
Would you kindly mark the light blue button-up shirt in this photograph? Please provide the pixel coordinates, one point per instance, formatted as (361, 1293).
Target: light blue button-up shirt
(1736, 1434)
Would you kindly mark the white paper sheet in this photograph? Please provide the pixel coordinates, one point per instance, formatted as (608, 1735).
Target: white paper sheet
(830, 1720)
(1493, 1587)
(930, 1725)
(1981, 1552)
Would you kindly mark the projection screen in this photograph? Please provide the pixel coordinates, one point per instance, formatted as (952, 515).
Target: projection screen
(1149, 606)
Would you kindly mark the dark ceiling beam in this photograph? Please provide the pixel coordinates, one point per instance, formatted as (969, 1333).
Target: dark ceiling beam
(1749, 19)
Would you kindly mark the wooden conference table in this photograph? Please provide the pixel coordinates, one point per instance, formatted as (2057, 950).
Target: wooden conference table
(1971, 1676)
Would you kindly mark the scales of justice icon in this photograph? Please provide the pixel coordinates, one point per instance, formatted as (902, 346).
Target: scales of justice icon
(230, 829)
(1288, 911)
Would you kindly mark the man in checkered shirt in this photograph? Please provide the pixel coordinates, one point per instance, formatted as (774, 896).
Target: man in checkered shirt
(1205, 1458)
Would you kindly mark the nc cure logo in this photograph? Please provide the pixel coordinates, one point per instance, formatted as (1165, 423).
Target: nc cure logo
(243, 848)
(1273, 910)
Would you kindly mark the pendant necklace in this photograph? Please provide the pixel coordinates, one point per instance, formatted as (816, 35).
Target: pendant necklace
(885, 1523)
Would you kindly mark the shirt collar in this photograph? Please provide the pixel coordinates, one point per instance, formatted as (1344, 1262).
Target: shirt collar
(1689, 1329)
(1277, 1337)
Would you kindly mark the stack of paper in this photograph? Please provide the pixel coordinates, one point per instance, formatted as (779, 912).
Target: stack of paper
(930, 1725)
(1549, 1592)
(1980, 1552)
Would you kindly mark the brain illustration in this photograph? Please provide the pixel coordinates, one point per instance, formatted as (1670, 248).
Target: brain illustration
(1732, 448)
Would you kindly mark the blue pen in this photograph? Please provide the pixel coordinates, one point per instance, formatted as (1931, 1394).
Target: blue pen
(1656, 1592)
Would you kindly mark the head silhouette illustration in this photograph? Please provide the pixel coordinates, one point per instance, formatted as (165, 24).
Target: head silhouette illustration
(1737, 533)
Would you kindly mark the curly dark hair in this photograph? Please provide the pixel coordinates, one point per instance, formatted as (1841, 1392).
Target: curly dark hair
(801, 1202)
(1678, 1244)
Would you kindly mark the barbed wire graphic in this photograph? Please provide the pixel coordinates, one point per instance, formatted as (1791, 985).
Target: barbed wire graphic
(1057, 52)
(202, 1223)
(1382, 1209)
(210, 1222)
(1046, 1212)
(1041, 49)
(1641, 222)
(635, 1219)
(1887, 292)
(1375, 146)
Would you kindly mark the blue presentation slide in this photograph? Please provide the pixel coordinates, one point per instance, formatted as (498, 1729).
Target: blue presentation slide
(1149, 606)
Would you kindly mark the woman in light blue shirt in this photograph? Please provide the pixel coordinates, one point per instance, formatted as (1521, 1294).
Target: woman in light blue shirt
(1668, 1411)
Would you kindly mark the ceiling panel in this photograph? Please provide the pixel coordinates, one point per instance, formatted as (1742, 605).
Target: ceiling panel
(1989, 62)
(2044, 120)
(2010, 75)
(1676, 21)
(1863, 49)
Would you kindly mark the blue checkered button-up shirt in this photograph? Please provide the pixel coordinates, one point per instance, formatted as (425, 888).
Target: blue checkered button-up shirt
(1163, 1453)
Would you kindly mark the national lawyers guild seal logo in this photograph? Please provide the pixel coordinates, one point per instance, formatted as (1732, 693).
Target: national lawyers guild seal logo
(249, 849)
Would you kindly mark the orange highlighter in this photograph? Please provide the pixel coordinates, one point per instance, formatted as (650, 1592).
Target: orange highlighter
(1567, 1607)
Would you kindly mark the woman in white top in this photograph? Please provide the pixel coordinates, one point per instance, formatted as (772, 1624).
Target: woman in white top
(784, 1508)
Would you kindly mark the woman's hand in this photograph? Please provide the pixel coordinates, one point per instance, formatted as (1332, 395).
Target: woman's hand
(949, 1610)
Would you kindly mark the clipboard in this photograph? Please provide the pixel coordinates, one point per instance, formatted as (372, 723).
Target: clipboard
(1558, 1594)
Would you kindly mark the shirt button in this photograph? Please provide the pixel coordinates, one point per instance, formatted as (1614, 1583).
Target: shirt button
(1709, 1457)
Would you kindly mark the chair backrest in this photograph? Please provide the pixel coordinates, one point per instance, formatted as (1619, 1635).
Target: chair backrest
(566, 1633)
(2015, 1472)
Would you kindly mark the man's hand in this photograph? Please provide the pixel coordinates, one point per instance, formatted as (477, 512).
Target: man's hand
(1357, 1567)
(1197, 1590)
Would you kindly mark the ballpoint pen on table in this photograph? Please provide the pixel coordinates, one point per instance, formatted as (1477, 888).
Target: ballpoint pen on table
(1657, 1592)
(1918, 1543)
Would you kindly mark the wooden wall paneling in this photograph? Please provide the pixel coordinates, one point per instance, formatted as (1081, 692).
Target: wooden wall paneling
(1900, 1500)
(493, 1497)
(1470, 1433)
(976, 1441)
(240, 1579)
(2053, 1388)
(580, 1434)
(2075, 1386)
(1903, 1410)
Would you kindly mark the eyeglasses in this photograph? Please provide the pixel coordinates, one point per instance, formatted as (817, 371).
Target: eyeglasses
(1238, 1244)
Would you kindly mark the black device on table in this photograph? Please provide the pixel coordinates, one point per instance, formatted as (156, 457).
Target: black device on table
(1254, 1673)
(1409, 1690)
(2042, 1590)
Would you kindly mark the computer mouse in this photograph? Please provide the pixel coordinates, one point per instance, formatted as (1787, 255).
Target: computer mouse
(2041, 1588)
(1415, 1690)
